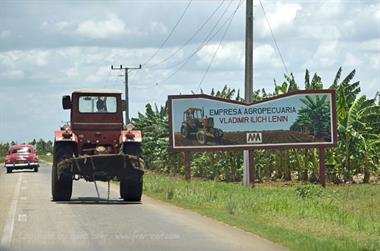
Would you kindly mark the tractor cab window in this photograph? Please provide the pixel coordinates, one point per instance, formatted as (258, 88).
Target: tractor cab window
(97, 104)
(191, 114)
(197, 114)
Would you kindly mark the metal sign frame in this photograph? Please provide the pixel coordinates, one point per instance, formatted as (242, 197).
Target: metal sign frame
(333, 128)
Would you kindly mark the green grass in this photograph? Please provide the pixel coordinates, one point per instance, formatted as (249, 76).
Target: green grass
(46, 158)
(301, 217)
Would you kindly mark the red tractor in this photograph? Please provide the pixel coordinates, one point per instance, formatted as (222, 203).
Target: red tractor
(95, 146)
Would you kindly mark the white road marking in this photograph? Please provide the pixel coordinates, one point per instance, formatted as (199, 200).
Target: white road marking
(9, 223)
(23, 198)
(22, 218)
(23, 187)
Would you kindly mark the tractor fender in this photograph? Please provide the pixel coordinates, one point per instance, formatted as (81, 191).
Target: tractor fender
(130, 136)
(59, 136)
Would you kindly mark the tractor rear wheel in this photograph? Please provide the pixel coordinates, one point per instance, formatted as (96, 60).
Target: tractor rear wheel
(9, 170)
(202, 137)
(62, 184)
(35, 169)
(131, 188)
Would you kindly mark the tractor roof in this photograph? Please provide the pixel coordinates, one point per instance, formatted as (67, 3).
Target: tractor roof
(193, 109)
(98, 91)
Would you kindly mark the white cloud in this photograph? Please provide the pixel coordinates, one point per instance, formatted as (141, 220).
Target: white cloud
(263, 54)
(370, 45)
(320, 32)
(14, 59)
(72, 72)
(5, 34)
(112, 26)
(326, 54)
(280, 18)
(351, 60)
(374, 62)
(158, 27)
(229, 55)
(62, 25)
(13, 74)
(329, 8)
(98, 76)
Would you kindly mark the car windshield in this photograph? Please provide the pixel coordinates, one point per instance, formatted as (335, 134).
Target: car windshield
(97, 104)
(22, 150)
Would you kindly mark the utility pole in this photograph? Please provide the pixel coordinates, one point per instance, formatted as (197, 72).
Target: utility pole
(126, 69)
(248, 155)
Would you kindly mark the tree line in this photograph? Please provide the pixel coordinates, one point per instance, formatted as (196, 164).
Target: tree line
(358, 129)
(357, 152)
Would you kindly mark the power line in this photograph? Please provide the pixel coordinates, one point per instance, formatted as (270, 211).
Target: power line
(205, 42)
(170, 34)
(274, 39)
(190, 39)
(208, 38)
(216, 51)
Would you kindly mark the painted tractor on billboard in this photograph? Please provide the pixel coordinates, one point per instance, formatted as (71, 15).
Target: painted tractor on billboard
(196, 124)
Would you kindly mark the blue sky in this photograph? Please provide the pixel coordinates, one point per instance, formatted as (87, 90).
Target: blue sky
(50, 48)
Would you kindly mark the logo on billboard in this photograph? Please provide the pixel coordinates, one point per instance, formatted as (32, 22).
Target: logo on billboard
(254, 138)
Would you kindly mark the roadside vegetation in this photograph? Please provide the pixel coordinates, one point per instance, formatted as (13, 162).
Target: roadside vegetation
(287, 207)
(301, 217)
(355, 160)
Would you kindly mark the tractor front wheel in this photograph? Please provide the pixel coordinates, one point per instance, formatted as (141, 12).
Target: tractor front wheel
(202, 137)
(61, 184)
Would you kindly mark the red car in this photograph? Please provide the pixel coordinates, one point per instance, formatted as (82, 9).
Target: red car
(21, 157)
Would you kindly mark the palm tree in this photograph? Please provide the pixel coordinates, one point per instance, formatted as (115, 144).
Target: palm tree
(315, 115)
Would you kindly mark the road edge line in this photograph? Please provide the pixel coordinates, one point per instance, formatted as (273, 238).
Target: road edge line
(9, 223)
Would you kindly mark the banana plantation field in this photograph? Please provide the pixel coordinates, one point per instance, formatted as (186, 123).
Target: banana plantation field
(356, 155)
(301, 217)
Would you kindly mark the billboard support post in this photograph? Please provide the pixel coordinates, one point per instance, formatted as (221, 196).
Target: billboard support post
(200, 123)
(322, 166)
(252, 161)
(187, 166)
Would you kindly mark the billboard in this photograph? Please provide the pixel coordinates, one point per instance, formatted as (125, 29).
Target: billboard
(297, 119)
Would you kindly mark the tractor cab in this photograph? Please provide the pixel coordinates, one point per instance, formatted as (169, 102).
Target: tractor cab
(193, 116)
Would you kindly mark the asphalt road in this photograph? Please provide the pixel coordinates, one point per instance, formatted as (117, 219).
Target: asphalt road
(29, 220)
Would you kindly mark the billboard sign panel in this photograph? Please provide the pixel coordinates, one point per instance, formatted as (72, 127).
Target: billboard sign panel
(297, 119)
